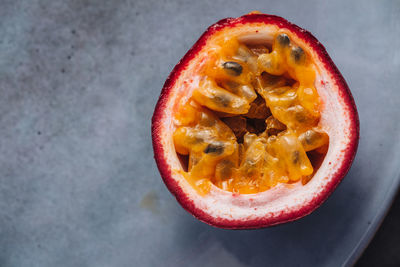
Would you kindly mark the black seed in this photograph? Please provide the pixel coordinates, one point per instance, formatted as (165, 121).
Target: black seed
(283, 39)
(300, 116)
(296, 157)
(309, 137)
(216, 148)
(298, 54)
(231, 86)
(220, 99)
(233, 68)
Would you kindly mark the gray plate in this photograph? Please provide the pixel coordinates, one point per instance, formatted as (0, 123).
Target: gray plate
(79, 186)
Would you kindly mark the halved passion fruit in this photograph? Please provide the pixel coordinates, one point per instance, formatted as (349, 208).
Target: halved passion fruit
(255, 126)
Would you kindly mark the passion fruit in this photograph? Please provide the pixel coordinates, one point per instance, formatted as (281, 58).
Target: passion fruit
(255, 126)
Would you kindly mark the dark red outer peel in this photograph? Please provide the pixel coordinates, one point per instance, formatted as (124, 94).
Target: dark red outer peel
(265, 221)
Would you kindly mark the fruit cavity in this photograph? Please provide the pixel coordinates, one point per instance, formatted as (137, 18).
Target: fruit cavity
(253, 118)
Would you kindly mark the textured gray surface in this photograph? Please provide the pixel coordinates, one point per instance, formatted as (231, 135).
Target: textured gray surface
(78, 183)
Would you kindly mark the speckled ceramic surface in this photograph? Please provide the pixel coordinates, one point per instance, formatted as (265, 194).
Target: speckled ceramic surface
(78, 183)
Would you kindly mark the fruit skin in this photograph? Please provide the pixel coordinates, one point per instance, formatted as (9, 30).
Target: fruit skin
(272, 219)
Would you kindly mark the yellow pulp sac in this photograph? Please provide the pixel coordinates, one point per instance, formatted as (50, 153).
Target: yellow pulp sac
(253, 118)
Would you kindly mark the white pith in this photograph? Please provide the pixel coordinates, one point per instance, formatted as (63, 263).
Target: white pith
(283, 197)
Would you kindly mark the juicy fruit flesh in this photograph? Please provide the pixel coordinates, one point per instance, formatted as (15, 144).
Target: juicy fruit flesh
(252, 118)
